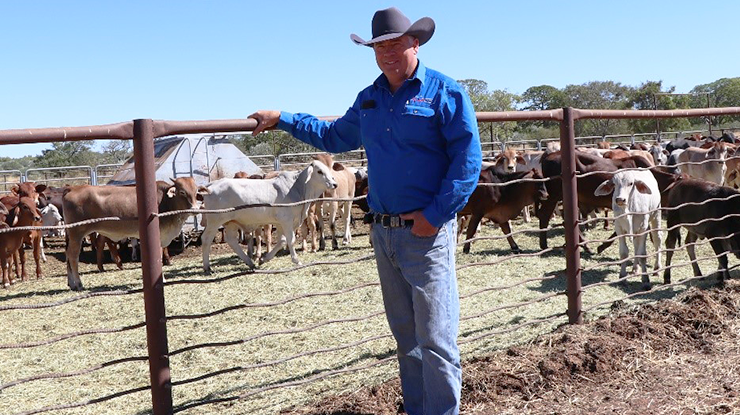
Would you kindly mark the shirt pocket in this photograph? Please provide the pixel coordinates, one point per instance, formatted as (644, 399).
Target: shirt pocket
(419, 123)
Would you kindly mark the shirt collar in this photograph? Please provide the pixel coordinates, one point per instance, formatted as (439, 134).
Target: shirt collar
(420, 74)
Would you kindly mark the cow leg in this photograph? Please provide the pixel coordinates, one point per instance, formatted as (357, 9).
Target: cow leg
(526, 214)
(544, 214)
(166, 256)
(278, 246)
(290, 239)
(231, 236)
(114, 254)
(333, 207)
(624, 252)
(268, 236)
(41, 247)
(38, 252)
(462, 223)
(321, 225)
(656, 236)
(206, 239)
(22, 253)
(472, 227)
(6, 272)
(99, 243)
(690, 242)
(723, 271)
(506, 229)
(74, 245)
(670, 244)
(640, 244)
(347, 218)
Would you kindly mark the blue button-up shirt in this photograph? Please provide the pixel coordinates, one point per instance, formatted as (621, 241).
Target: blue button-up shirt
(422, 143)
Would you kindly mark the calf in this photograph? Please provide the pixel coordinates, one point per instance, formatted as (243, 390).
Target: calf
(22, 213)
(501, 203)
(602, 169)
(636, 206)
(90, 202)
(686, 207)
(345, 189)
(288, 187)
(698, 165)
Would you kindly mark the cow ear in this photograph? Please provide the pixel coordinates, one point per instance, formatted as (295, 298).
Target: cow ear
(40, 188)
(16, 214)
(642, 187)
(14, 190)
(604, 188)
(337, 166)
(732, 176)
(171, 192)
(520, 160)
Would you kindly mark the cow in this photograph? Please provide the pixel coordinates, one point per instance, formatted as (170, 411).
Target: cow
(501, 203)
(89, 202)
(688, 206)
(699, 166)
(21, 213)
(636, 207)
(288, 187)
(345, 189)
(50, 217)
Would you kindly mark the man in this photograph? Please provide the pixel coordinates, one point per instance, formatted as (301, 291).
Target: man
(420, 133)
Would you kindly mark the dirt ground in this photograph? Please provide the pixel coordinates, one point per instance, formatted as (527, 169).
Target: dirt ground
(672, 357)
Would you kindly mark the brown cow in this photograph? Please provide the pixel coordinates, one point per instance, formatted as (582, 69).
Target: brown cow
(502, 203)
(686, 207)
(89, 202)
(23, 213)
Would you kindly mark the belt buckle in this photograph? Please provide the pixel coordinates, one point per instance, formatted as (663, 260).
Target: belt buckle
(395, 222)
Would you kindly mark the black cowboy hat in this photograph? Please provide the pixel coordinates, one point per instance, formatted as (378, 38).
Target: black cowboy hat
(392, 23)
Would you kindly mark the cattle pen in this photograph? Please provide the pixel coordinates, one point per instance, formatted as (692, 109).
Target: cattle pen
(162, 386)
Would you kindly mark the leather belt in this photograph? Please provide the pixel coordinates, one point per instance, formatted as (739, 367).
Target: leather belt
(388, 221)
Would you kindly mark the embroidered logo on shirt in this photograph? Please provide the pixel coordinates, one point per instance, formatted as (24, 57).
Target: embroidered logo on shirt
(420, 101)
(369, 104)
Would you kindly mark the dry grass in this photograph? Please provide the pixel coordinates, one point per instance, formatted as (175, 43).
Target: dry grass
(250, 362)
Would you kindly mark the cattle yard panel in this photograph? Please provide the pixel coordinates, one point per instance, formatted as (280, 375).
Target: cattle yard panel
(104, 172)
(9, 178)
(61, 176)
(143, 133)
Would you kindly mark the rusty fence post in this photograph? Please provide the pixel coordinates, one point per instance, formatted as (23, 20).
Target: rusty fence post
(151, 267)
(570, 215)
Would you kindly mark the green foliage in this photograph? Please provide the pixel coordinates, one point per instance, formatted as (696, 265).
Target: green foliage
(724, 92)
(485, 101)
(71, 153)
(116, 151)
(650, 96)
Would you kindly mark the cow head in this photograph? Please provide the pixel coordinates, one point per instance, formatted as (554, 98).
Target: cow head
(25, 212)
(541, 187)
(182, 194)
(622, 184)
(318, 172)
(507, 160)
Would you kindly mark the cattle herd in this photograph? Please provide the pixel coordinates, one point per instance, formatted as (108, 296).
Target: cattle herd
(690, 182)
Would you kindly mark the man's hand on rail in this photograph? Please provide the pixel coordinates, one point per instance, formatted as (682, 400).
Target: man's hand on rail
(265, 119)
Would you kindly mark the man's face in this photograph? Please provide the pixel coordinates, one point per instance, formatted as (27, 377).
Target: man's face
(397, 57)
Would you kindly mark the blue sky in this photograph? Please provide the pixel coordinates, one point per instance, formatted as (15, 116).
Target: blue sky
(79, 63)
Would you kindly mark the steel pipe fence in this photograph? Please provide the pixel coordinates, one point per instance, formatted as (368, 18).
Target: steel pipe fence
(159, 354)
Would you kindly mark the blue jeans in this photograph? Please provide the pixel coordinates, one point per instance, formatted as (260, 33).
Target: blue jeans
(417, 278)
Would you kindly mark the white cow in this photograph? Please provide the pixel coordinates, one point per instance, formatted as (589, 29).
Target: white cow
(288, 187)
(636, 206)
(698, 166)
(50, 217)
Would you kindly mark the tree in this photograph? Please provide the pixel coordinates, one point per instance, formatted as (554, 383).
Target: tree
(485, 100)
(651, 95)
(70, 153)
(598, 95)
(724, 92)
(116, 151)
(538, 98)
